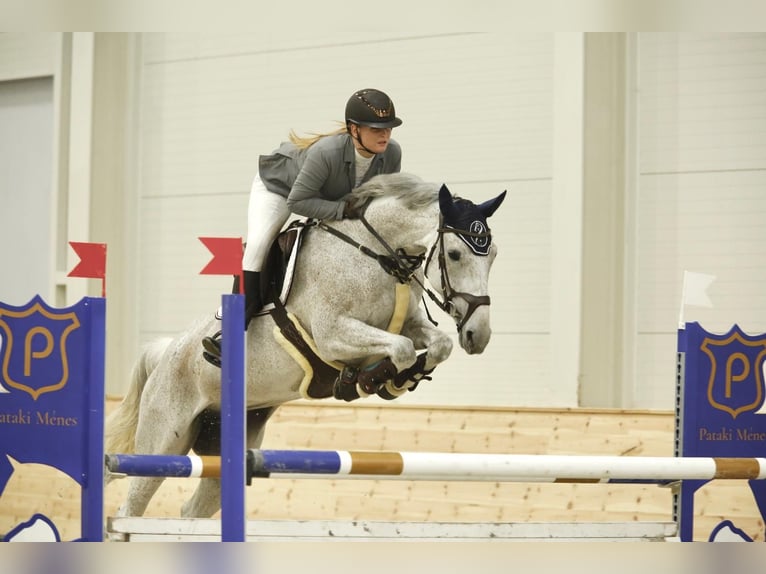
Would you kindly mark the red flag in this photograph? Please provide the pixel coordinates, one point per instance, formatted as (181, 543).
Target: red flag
(92, 262)
(227, 255)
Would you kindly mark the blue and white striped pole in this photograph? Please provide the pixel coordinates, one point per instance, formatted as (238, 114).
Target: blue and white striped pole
(459, 466)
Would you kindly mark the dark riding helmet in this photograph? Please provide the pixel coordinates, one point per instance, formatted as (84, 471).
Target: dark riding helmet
(371, 108)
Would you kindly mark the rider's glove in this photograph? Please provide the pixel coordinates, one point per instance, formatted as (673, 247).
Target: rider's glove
(354, 208)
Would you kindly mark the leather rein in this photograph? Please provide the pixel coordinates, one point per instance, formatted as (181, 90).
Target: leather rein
(403, 266)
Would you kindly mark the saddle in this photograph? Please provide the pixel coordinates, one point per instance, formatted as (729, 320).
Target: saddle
(276, 282)
(279, 266)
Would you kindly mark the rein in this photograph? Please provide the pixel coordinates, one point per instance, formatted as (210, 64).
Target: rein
(396, 263)
(403, 266)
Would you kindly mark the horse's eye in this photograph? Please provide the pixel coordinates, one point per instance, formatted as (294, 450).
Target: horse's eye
(454, 254)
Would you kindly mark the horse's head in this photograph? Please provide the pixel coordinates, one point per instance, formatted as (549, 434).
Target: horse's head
(403, 214)
(465, 254)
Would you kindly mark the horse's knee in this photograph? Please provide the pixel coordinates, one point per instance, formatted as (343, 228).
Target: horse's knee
(403, 353)
(438, 351)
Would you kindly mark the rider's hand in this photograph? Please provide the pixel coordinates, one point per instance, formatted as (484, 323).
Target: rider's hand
(353, 209)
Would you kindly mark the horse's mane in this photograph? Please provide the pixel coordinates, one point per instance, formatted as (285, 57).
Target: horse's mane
(408, 188)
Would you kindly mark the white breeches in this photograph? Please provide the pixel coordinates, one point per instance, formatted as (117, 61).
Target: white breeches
(267, 212)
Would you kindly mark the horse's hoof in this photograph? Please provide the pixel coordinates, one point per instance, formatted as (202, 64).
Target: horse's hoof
(345, 391)
(384, 393)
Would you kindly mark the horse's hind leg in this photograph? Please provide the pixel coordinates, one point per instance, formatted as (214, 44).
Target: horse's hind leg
(166, 425)
(140, 492)
(206, 500)
(161, 441)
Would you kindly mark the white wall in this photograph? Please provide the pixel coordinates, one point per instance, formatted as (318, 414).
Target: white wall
(701, 192)
(26, 167)
(61, 173)
(211, 106)
(27, 190)
(627, 159)
(483, 113)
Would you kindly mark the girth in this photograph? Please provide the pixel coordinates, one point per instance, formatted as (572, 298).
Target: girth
(319, 382)
(323, 374)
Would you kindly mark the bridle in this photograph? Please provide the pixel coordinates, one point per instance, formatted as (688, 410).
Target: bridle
(447, 305)
(403, 267)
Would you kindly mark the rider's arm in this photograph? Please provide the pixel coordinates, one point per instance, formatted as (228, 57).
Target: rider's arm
(322, 174)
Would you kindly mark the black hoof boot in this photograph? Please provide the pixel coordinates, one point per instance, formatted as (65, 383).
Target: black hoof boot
(344, 387)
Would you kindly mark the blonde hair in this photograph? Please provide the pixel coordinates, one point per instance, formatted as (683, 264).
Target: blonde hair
(305, 141)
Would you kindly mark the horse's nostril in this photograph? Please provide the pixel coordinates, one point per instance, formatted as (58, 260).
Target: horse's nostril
(469, 336)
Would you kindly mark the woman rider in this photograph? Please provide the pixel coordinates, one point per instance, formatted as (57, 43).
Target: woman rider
(312, 177)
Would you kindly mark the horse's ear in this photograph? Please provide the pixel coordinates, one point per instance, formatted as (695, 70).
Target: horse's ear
(490, 206)
(446, 202)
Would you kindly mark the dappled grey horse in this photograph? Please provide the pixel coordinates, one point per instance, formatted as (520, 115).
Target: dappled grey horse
(356, 297)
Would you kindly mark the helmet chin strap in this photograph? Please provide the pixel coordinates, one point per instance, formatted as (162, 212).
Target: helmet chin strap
(358, 137)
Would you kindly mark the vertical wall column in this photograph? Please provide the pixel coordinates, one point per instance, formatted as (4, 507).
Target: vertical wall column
(94, 199)
(590, 326)
(113, 201)
(79, 153)
(604, 349)
(567, 206)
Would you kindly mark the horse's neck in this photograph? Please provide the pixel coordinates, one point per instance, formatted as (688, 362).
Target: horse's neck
(402, 228)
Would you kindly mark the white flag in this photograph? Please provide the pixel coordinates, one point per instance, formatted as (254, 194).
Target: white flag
(694, 292)
(695, 289)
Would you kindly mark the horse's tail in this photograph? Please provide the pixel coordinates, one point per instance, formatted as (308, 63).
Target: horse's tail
(120, 426)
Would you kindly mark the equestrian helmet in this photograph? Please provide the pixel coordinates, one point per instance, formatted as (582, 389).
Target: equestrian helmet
(371, 108)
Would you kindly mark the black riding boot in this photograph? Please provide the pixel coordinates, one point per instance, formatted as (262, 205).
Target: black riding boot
(253, 304)
(253, 299)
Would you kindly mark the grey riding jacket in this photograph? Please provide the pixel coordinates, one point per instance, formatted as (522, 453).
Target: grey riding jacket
(316, 180)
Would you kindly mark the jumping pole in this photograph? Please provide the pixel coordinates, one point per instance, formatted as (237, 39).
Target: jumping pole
(453, 466)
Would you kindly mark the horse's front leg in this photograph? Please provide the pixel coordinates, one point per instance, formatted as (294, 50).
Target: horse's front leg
(425, 335)
(350, 341)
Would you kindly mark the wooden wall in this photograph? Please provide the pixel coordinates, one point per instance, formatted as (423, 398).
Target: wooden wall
(388, 427)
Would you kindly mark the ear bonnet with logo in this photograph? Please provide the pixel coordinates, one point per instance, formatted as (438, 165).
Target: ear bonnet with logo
(469, 220)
